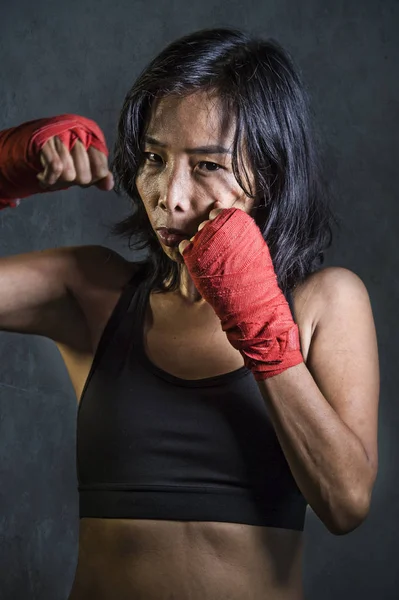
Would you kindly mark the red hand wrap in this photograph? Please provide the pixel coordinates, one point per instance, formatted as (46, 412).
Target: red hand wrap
(230, 264)
(20, 147)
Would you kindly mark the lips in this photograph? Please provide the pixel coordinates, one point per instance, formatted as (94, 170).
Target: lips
(171, 239)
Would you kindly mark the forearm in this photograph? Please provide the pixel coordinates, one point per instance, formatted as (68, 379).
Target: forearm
(327, 460)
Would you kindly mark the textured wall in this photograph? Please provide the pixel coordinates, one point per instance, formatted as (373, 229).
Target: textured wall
(81, 56)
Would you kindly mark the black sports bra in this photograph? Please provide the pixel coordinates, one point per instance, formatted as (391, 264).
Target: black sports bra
(153, 446)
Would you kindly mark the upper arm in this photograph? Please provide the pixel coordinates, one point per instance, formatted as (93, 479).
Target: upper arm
(35, 296)
(343, 356)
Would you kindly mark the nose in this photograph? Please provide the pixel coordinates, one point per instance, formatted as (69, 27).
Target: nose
(175, 190)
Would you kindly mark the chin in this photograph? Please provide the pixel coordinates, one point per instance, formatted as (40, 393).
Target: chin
(173, 253)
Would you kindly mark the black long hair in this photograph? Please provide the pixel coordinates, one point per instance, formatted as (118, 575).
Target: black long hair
(256, 82)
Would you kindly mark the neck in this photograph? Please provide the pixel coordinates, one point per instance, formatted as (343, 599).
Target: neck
(187, 290)
(187, 293)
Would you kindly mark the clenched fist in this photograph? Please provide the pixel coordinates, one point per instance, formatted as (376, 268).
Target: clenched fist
(64, 168)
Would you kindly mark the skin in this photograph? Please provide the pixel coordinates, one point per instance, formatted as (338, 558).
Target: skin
(179, 189)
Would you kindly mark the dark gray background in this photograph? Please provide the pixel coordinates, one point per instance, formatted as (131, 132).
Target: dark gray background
(81, 57)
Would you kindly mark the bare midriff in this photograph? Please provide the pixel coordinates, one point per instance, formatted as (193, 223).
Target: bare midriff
(140, 559)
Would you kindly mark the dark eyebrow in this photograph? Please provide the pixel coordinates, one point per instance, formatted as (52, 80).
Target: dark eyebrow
(201, 150)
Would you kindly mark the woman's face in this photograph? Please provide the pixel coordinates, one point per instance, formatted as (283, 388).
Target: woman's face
(187, 165)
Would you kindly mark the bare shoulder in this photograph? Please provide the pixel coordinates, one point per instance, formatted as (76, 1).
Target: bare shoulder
(314, 297)
(98, 276)
(97, 267)
(326, 298)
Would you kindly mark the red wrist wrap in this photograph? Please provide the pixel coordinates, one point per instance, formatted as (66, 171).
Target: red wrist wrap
(230, 264)
(20, 147)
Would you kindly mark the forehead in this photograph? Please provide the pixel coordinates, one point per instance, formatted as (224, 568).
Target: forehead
(199, 117)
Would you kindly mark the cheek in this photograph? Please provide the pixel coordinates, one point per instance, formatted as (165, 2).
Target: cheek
(145, 188)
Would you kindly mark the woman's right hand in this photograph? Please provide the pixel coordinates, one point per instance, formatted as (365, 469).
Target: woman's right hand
(63, 169)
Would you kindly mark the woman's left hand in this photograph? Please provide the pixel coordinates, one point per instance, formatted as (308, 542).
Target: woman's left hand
(231, 267)
(212, 215)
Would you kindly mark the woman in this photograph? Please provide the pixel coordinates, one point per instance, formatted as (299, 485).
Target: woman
(227, 381)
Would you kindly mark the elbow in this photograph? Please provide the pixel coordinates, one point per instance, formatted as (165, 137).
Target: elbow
(347, 527)
(347, 520)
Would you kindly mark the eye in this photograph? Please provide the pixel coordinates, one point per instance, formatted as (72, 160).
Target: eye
(204, 162)
(148, 154)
